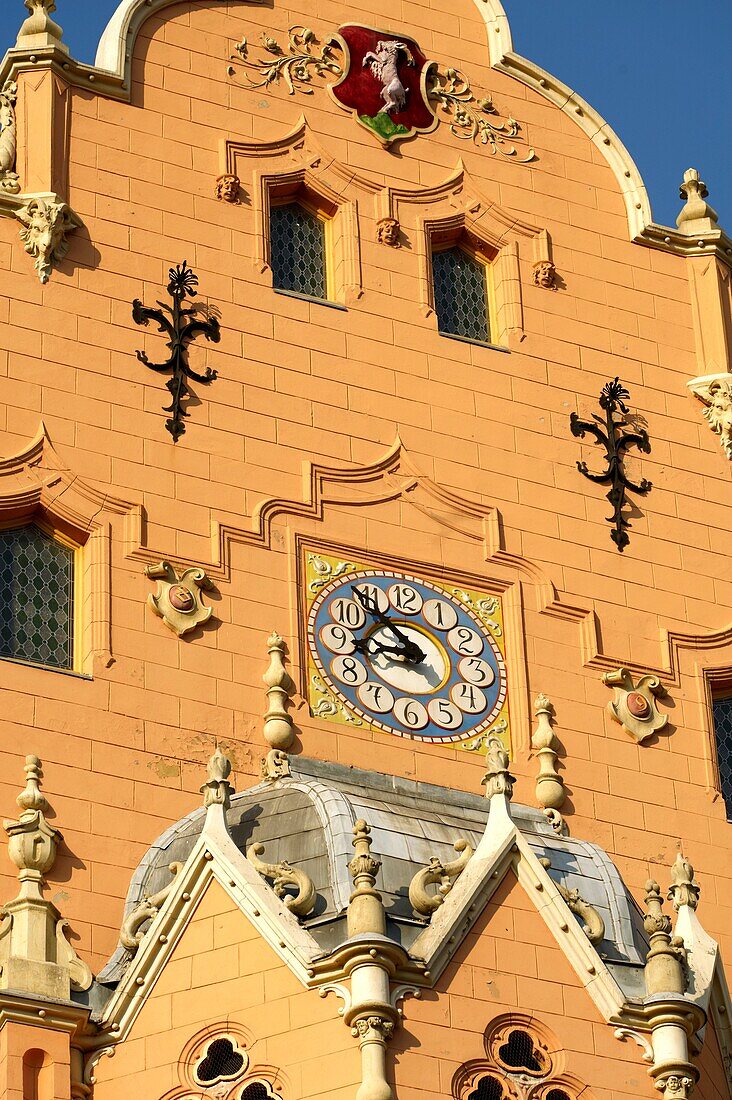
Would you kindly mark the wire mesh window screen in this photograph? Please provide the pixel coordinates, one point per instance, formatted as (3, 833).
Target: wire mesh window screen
(488, 1089)
(519, 1052)
(723, 731)
(36, 598)
(221, 1062)
(297, 250)
(256, 1091)
(461, 301)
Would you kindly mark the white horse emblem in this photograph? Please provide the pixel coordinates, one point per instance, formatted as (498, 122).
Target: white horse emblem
(383, 62)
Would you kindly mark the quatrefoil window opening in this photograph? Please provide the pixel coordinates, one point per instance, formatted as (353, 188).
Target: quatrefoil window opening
(223, 1060)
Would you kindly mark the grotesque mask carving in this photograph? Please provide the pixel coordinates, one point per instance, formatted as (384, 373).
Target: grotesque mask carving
(45, 226)
(545, 275)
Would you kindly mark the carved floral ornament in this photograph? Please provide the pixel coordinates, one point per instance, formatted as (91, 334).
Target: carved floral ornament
(404, 93)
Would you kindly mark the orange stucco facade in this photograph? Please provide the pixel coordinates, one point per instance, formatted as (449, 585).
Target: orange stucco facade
(357, 434)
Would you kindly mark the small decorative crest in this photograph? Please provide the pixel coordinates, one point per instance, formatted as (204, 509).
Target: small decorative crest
(634, 704)
(178, 600)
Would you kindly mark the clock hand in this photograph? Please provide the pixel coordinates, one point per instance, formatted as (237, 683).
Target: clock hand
(410, 651)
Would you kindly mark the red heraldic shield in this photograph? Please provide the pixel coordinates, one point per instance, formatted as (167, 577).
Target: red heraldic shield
(384, 82)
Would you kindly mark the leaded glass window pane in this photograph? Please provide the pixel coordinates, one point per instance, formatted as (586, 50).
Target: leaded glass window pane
(36, 598)
(297, 250)
(723, 731)
(461, 302)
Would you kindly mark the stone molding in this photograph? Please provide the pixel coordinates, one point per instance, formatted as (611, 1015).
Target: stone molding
(35, 482)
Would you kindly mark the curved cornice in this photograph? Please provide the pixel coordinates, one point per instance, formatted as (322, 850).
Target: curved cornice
(117, 42)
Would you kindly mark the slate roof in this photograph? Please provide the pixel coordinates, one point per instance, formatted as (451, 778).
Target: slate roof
(307, 819)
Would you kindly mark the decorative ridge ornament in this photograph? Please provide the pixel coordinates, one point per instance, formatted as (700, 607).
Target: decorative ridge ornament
(286, 877)
(436, 872)
(217, 790)
(384, 80)
(684, 889)
(182, 283)
(550, 792)
(278, 730)
(131, 934)
(611, 433)
(593, 925)
(39, 30)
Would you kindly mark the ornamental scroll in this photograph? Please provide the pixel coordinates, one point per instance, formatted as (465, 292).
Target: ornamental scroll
(382, 79)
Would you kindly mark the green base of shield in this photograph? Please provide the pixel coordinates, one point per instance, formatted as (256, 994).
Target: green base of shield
(383, 126)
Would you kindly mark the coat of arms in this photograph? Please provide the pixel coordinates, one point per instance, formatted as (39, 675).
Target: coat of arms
(384, 82)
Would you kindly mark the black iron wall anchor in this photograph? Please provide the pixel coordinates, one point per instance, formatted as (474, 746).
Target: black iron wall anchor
(612, 433)
(182, 282)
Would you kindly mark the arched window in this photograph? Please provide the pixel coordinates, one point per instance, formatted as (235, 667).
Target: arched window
(36, 598)
(460, 290)
(722, 710)
(298, 250)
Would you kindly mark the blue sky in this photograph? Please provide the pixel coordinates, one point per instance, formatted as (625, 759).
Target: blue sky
(638, 62)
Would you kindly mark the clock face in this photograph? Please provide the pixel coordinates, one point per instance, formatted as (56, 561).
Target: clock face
(405, 655)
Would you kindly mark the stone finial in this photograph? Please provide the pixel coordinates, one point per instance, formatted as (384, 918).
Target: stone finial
(365, 910)
(280, 686)
(217, 790)
(497, 779)
(684, 890)
(35, 955)
(39, 29)
(550, 792)
(696, 215)
(633, 705)
(664, 970)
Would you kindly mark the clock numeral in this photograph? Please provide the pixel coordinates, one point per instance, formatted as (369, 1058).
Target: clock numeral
(411, 714)
(375, 697)
(347, 613)
(349, 670)
(465, 641)
(404, 598)
(476, 671)
(469, 698)
(445, 714)
(374, 595)
(440, 614)
(338, 639)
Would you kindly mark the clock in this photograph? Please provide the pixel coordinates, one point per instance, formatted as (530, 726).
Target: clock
(403, 654)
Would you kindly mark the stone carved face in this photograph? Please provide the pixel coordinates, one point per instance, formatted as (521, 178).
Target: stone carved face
(718, 412)
(227, 188)
(387, 232)
(45, 225)
(545, 275)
